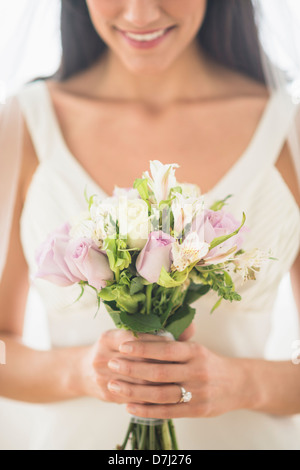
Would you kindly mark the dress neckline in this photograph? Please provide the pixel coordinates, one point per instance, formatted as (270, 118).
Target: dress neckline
(227, 179)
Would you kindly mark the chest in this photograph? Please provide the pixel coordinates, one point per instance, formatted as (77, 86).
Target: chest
(115, 143)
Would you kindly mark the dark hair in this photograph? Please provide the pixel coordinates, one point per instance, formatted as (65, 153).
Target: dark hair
(229, 34)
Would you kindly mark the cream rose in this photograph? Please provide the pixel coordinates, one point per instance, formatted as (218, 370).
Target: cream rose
(134, 222)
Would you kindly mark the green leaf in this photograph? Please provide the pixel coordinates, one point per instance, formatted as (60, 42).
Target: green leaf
(172, 280)
(108, 294)
(127, 302)
(217, 304)
(176, 189)
(218, 205)
(227, 279)
(141, 184)
(119, 258)
(136, 285)
(141, 323)
(115, 316)
(217, 241)
(195, 292)
(180, 320)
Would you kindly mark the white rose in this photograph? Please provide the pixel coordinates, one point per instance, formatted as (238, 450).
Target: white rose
(134, 222)
(82, 226)
(104, 215)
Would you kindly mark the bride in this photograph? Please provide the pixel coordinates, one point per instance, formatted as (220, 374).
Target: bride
(179, 82)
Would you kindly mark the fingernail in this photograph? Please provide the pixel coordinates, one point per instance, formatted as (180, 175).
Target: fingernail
(114, 365)
(126, 348)
(131, 409)
(114, 387)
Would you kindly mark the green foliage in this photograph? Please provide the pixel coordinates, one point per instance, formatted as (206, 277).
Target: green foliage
(218, 205)
(119, 258)
(136, 285)
(180, 320)
(141, 323)
(121, 295)
(219, 280)
(172, 279)
(196, 291)
(141, 184)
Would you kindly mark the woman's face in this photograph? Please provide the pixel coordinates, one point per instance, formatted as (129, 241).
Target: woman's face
(162, 29)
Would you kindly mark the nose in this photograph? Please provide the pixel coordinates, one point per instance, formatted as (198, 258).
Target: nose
(142, 13)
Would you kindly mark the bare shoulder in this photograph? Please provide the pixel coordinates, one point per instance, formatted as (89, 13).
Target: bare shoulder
(79, 85)
(239, 85)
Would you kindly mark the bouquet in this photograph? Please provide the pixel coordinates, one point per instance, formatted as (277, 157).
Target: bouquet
(149, 252)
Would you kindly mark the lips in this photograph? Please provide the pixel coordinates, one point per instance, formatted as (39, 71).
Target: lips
(146, 32)
(146, 40)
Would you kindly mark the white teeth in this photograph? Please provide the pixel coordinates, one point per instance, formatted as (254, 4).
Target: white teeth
(146, 37)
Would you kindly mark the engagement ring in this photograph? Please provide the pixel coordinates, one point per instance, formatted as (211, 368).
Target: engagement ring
(185, 396)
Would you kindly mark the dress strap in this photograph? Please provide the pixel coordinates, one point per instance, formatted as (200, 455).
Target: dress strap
(274, 128)
(265, 147)
(37, 115)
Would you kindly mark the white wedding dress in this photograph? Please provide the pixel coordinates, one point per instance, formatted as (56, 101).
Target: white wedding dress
(241, 329)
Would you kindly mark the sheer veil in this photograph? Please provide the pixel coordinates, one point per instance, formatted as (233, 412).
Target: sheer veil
(278, 23)
(27, 29)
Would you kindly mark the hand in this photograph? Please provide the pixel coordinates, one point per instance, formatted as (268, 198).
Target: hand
(94, 373)
(218, 384)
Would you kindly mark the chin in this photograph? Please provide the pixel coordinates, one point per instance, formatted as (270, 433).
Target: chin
(144, 67)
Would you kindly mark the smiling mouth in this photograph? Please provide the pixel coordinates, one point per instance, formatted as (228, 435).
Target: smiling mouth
(147, 36)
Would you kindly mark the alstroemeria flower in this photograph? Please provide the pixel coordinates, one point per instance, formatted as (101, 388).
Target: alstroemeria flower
(189, 252)
(249, 263)
(185, 209)
(162, 179)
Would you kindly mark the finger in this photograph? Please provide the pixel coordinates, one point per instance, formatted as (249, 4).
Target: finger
(188, 333)
(113, 338)
(170, 351)
(182, 410)
(151, 372)
(161, 394)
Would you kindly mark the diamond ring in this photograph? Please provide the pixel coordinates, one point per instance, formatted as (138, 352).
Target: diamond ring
(185, 396)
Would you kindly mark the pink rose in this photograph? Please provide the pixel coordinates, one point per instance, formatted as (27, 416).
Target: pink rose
(86, 263)
(155, 255)
(214, 224)
(219, 223)
(50, 259)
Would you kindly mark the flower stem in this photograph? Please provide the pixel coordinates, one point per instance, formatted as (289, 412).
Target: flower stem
(152, 440)
(149, 298)
(129, 431)
(144, 435)
(117, 275)
(173, 435)
(167, 443)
